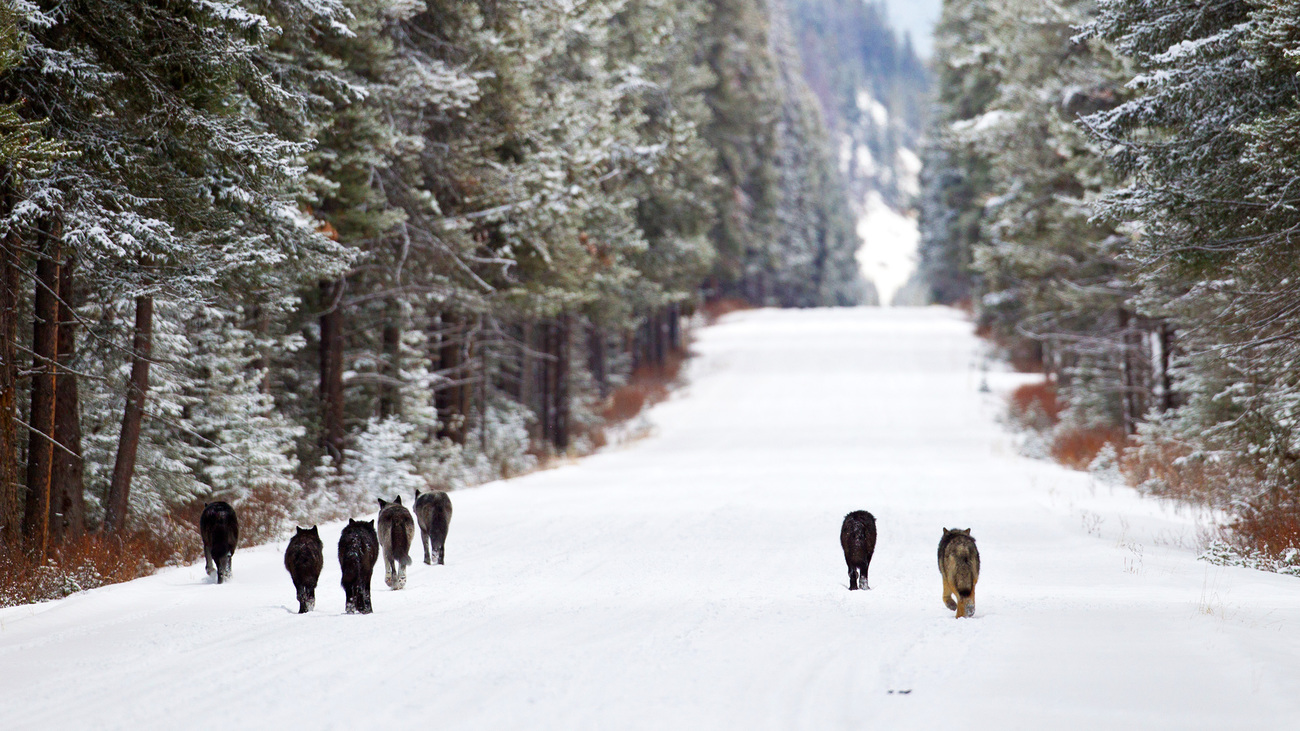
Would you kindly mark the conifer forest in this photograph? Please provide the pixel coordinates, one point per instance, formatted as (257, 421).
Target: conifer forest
(650, 364)
(1110, 186)
(293, 253)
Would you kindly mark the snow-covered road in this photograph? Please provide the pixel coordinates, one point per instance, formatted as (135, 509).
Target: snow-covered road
(694, 580)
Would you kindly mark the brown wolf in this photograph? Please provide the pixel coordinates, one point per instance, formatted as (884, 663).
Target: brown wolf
(959, 565)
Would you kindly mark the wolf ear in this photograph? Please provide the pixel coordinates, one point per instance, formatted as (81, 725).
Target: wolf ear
(417, 492)
(314, 530)
(965, 532)
(300, 529)
(351, 521)
(382, 504)
(398, 501)
(947, 531)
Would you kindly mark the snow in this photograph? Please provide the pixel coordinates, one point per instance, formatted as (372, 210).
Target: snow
(693, 579)
(888, 253)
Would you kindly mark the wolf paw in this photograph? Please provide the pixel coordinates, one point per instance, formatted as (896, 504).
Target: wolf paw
(949, 603)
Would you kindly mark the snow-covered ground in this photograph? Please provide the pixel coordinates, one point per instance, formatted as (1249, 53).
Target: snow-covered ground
(694, 580)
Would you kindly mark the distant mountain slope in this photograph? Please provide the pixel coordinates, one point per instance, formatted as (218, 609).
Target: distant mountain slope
(873, 91)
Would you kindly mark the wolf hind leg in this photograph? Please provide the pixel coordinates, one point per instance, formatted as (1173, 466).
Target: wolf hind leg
(426, 541)
(390, 577)
(966, 604)
(853, 578)
(442, 554)
(947, 594)
(207, 556)
(399, 581)
(863, 583)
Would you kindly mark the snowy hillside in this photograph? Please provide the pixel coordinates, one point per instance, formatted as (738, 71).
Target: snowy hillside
(694, 580)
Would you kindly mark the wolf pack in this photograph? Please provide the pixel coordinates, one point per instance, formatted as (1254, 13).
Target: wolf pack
(959, 560)
(393, 531)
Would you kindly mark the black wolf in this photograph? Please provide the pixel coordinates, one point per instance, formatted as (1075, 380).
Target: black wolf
(358, 551)
(858, 539)
(220, 530)
(396, 529)
(433, 511)
(304, 558)
(959, 565)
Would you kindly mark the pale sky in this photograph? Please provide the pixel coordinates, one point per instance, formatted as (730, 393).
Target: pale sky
(918, 18)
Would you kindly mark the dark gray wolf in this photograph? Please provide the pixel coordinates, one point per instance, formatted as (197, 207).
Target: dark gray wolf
(433, 511)
(858, 539)
(220, 530)
(396, 531)
(358, 551)
(304, 559)
(959, 565)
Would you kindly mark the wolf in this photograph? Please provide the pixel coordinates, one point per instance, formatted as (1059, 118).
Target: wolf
(304, 559)
(358, 551)
(433, 511)
(858, 539)
(959, 565)
(220, 530)
(396, 529)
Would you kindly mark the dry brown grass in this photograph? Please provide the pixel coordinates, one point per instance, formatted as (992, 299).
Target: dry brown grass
(1035, 405)
(1267, 529)
(1078, 447)
(714, 310)
(648, 385)
(96, 560)
(1171, 469)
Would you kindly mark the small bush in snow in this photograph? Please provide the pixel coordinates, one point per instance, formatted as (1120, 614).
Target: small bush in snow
(1220, 553)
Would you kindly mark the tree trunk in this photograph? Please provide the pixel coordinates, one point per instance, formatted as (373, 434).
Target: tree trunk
(331, 370)
(675, 327)
(390, 393)
(450, 398)
(40, 440)
(546, 414)
(526, 375)
(1165, 335)
(67, 489)
(11, 502)
(119, 489)
(596, 359)
(562, 384)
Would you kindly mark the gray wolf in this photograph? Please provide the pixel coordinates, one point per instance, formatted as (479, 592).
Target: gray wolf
(396, 530)
(959, 565)
(433, 511)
